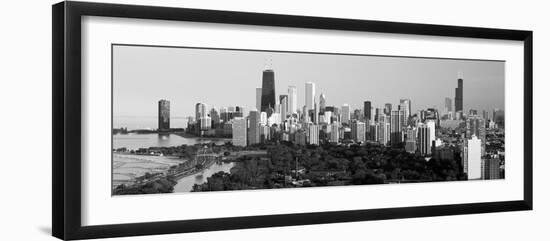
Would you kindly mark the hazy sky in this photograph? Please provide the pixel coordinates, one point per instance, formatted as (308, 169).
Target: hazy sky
(144, 75)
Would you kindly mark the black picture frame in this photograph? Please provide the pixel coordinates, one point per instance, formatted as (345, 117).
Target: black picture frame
(66, 127)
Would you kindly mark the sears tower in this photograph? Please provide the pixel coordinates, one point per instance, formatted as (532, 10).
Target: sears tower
(458, 96)
(268, 90)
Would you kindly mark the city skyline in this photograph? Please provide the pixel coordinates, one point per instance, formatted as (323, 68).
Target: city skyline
(418, 136)
(487, 84)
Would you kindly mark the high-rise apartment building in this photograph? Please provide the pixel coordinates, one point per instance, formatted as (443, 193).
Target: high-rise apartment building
(335, 132)
(387, 109)
(163, 115)
(475, 125)
(384, 131)
(239, 132)
(472, 158)
(405, 105)
(283, 101)
(397, 117)
(313, 134)
(431, 124)
(215, 117)
(254, 119)
(322, 103)
(410, 141)
(358, 130)
(310, 95)
(292, 100)
(424, 142)
(346, 115)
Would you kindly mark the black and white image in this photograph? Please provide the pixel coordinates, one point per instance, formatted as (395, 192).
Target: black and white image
(188, 119)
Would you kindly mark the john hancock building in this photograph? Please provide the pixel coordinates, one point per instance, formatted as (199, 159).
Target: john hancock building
(278, 144)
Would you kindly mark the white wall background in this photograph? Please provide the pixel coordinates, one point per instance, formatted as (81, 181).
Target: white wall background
(25, 120)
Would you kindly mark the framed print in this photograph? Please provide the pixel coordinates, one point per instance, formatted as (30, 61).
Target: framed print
(169, 120)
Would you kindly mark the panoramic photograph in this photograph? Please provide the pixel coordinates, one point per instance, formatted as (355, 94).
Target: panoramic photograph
(188, 119)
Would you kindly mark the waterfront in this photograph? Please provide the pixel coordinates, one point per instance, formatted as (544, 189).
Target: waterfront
(126, 167)
(185, 184)
(145, 122)
(135, 141)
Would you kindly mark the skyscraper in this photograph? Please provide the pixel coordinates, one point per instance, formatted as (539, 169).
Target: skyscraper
(310, 95)
(201, 111)
(367, 111)
(223, 114)
(239, 131)
(322, 103)
(215, 117)
(283, 100)
(396, 136)
(205, 123)
(313, 134)
(387, 109)
(358, 131)
(254, 127)
(384, 129)
(472, 158)
(458, 96)
(405, 105)
(431, 124)
(334, 132)
(203, 117)
(268, 90)
(475, 125)
(424, 142)
(292, 100)
(430, 114)
(259, 98)
(163, 115)
(315, 113)
(377, 114)
(345, 114)
(410, 142)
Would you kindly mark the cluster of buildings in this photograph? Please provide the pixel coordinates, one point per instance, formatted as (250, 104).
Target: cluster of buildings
(278, 118)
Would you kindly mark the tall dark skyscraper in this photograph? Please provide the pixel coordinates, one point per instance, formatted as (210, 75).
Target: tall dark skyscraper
(268, 90)
(396, 129)
(458, 96)
(164, 115)
(366, 110)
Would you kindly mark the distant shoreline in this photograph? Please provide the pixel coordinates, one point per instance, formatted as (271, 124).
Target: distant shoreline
(176, 132)
(187, 135)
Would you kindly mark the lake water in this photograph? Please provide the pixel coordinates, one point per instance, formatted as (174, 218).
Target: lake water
(127, 166)
(186, 184)
(145, 122)
(134, 141)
